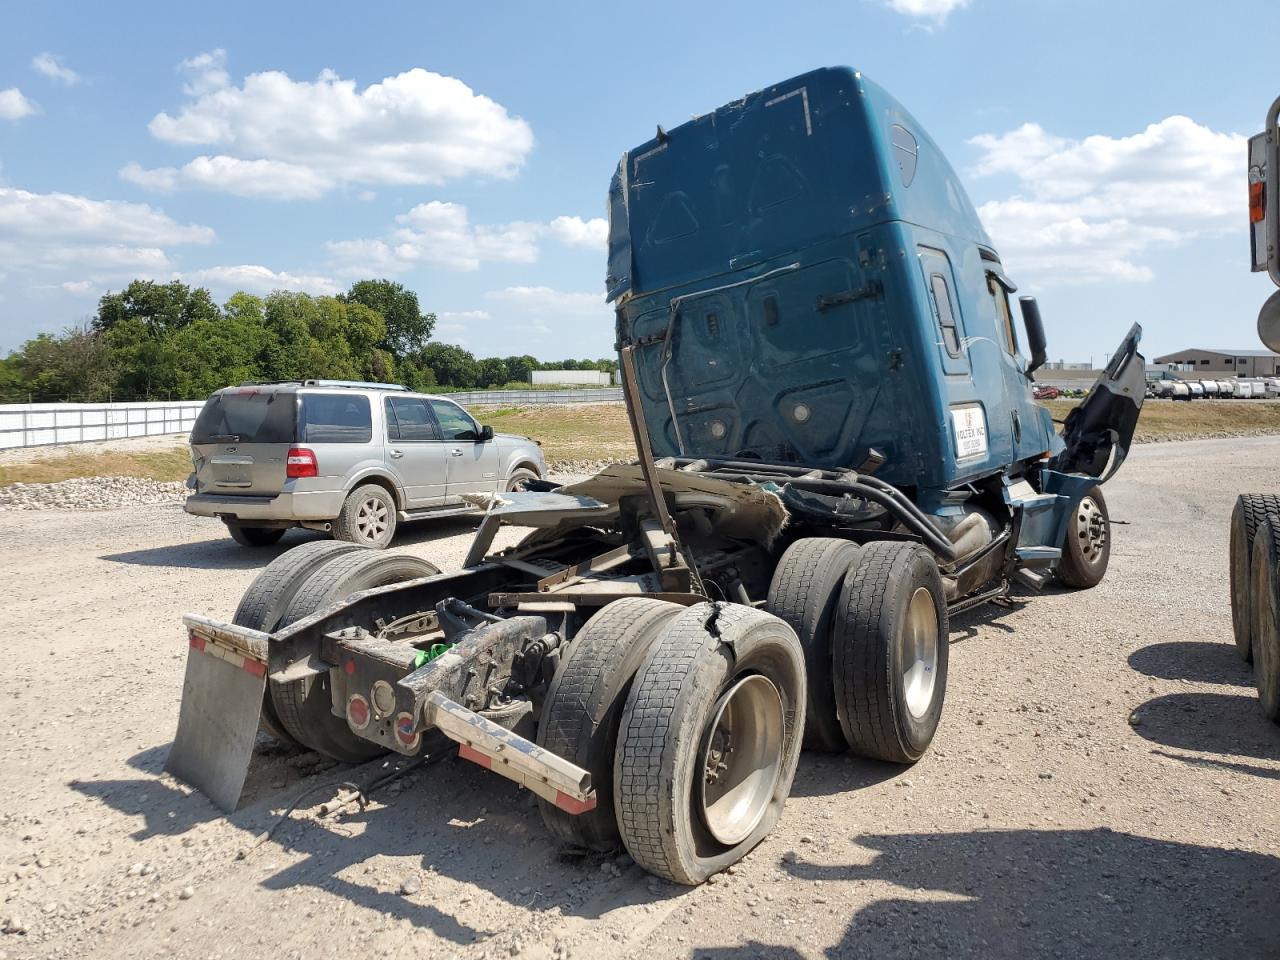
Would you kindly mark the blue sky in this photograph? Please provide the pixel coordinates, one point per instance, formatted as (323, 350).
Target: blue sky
(465, 149)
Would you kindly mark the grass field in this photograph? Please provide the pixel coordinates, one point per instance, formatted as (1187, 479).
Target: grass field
(1172, 420)
(69, 463)
(572, 437)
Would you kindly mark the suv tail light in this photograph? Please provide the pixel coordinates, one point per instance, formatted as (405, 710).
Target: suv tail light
(301, 462)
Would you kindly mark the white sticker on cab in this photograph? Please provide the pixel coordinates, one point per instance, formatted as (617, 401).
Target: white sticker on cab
(970, 426)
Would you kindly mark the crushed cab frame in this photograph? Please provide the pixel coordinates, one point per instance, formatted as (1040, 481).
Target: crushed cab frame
(650, 657)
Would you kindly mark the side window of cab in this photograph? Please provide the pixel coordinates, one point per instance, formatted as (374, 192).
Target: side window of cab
(1004, 315)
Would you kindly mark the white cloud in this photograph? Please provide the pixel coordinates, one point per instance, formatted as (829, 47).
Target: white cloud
(78, 287)
(441, 234)
(60, 230)
(271, 179)
(936, 11)
(14, 106)
(252, 278)
(1093, 209)
(53, 68)
(417, 127)
(205, 73)
(576, 232)
(548, 301)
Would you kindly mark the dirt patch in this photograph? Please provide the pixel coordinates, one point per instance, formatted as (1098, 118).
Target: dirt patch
(1102, 784)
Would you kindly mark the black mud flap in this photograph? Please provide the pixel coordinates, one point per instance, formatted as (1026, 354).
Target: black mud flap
(1097, 433)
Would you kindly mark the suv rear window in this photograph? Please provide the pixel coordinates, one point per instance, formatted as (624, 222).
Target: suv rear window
(249, 416)
(336, 418)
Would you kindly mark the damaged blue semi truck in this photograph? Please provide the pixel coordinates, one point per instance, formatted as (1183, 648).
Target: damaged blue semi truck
(838, 450)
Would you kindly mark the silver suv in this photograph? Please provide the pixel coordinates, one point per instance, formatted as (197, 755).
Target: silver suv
(348, 458)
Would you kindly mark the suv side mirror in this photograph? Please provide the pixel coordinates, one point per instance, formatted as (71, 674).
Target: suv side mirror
(1035, 334)
(486, 433)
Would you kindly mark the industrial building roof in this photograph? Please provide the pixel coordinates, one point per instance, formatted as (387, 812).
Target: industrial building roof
(1226, 353)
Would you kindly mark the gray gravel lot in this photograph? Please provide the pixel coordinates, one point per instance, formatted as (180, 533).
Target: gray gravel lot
(1102, 785)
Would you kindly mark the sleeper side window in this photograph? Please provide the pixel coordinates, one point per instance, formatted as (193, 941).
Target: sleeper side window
(946, 318)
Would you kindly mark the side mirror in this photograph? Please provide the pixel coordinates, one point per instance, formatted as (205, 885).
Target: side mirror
(486, 433)
(1035, 334)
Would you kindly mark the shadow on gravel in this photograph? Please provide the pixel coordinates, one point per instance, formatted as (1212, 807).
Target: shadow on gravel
(221, 554)
(447, 821)
(964, 626)
(1193, 660)
(826, 774)
(1220, 723)
(1052, 893)
(225, 554)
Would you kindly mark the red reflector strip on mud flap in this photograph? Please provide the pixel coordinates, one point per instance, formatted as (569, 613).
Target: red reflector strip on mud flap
(233, 657)
(496, 748)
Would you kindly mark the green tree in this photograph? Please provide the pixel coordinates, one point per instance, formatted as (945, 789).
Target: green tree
(408, 328)
(76, 365)
(493, 372)
(451, 365)
(519, 368)
(161, 307)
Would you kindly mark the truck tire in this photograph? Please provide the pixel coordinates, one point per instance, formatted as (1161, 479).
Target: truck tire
(1086, 546)
(367, 518)
(254, 536)
(890, 652)
(1264, 584)
(580, 717)
(709, 740)
(803, 592)
(1251, 509)
(263, 605)
(305, 706)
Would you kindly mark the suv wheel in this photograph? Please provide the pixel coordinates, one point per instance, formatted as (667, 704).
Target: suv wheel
(519, 479)
(368, 517)
(254, 536)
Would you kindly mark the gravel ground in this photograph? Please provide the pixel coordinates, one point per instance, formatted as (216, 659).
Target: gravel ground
(1102, 784)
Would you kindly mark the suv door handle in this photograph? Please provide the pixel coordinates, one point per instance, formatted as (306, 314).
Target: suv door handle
(455, 452)
(395, 454)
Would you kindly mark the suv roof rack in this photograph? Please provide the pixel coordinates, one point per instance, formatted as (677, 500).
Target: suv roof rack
(354, 384)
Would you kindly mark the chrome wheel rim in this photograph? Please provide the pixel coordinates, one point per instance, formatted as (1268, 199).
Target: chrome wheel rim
(741, 759)
(1091, 529)
(372, 519)
(920, 653)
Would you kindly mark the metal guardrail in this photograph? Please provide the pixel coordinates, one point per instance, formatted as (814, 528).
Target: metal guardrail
(45, 424)
(522, 398)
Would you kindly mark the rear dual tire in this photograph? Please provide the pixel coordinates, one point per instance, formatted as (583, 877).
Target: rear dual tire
(872, 621)
(1264, 597)
(305, 707)
(1250, 511)
(709, 740)
(264, 604)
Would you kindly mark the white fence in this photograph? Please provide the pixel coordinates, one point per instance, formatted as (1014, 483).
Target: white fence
(40, 424)
(526, 398)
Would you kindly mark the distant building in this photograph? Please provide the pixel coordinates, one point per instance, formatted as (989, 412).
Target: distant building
(1064, 365)
(1232, 363)
(567, 378)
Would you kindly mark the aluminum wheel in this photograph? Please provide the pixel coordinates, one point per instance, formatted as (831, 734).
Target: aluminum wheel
(371, 520)
(1091, 528)
(919, 653)
(742, 759)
